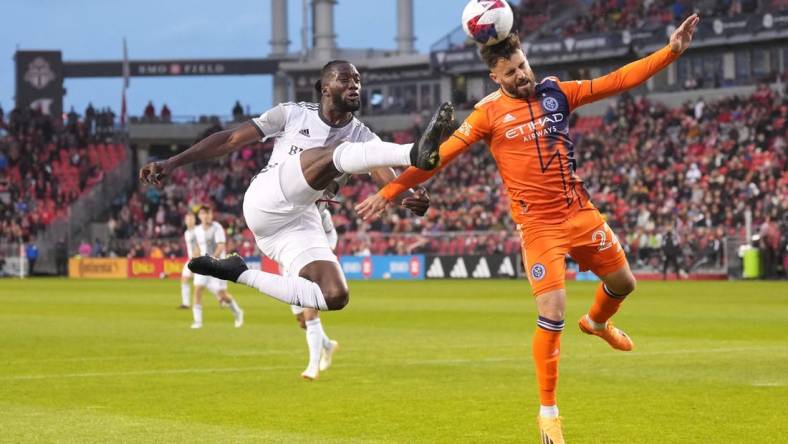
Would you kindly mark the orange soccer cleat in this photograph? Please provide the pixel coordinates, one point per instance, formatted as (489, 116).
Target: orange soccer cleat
(550, 430)
(612, 335)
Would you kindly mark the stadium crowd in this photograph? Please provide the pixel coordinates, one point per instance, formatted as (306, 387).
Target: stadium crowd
(690, 172)
(48, 162)
(600, 16)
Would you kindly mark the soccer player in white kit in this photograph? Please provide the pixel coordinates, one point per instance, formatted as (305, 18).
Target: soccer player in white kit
(209, 238)
(316, 144)
(186, 274)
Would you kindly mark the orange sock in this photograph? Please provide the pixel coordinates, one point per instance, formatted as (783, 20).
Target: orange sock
(546, 351)
(605, 304)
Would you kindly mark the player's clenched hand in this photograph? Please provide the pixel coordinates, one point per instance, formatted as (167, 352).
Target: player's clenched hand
(682, 36)
(372, 207)
(154, 173)
(418, 203)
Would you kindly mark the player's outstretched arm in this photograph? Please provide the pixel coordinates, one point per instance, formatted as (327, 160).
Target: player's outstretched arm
(216, 145)
(582, 92)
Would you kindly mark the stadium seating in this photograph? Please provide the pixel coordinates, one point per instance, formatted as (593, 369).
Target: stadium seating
(45, 165)
(594, 16)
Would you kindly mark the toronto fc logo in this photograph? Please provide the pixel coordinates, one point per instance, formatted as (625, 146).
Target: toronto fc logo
(39, 74)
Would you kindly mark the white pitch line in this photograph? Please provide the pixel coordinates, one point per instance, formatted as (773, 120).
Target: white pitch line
(145, 372)
(392, 363)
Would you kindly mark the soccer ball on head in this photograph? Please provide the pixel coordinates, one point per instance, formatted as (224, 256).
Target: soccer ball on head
(487, 22)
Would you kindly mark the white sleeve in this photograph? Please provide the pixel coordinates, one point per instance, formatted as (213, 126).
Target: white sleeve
(272, 122)
(219, 237)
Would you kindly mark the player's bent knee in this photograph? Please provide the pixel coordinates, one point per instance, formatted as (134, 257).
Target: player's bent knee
(631, 284)
(336, 297)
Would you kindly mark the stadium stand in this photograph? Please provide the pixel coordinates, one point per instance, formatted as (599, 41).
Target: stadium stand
(617, 15)
(47, 163)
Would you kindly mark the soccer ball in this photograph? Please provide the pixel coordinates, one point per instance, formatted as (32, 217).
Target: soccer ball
(487, 21)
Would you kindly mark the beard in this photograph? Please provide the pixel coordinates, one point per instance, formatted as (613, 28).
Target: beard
(345, 105)
(515, 91)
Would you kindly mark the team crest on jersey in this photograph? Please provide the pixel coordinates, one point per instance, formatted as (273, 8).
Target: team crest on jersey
(550, 104)
(538, 271)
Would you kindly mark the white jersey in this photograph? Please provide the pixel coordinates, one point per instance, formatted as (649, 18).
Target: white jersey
(208, 238)
(298, 127)
(188, 236)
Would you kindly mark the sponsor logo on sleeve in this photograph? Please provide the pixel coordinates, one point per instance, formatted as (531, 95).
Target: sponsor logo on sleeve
(465, 129)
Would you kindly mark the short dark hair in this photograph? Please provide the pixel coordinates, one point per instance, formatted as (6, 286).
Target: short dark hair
(327, 68)
(501, 50)
(207, 208)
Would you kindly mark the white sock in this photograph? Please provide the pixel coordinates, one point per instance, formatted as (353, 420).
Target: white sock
(185, 295)
(197, 313)
(313, 338)
(548, 411)
(235, 308)
(363, 157)
(595, 325)
(292, 290)
(324, 340)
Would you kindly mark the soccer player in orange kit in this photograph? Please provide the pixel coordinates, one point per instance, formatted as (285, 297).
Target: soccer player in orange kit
(526, 126)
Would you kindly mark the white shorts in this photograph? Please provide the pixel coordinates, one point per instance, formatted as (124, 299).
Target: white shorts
(279, 208)
(211, 283)
(186, 272)
(296, 309)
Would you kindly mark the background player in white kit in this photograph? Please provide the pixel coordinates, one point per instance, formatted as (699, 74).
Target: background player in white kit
(315, 145)
(209, 238)
(186, 274)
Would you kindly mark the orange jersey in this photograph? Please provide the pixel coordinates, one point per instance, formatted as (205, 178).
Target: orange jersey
(529, 140)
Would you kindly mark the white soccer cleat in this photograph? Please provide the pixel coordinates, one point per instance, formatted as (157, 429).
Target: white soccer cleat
(196, 325)
(310, 374)
(327, 355)
(239, 320)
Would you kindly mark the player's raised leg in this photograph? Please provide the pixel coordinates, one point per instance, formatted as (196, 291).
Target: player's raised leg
(363, 157)
(598, 249)
(328, 290)
(610, 294)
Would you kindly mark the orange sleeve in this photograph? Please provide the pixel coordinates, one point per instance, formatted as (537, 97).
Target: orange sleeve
(474, 128)
(582, 92)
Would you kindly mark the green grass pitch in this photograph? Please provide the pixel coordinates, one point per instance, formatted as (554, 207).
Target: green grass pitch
(434, 361)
